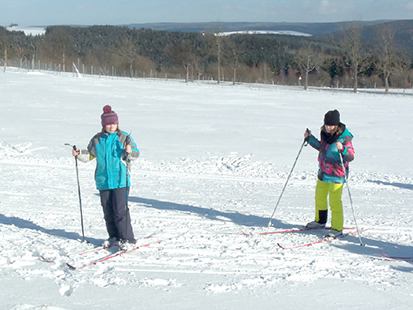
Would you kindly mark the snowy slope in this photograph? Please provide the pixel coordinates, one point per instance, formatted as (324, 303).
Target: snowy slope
(214, 160)
(33, 31)
(280, 32)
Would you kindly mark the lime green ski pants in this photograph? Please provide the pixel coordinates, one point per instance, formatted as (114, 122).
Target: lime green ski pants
(334, 192)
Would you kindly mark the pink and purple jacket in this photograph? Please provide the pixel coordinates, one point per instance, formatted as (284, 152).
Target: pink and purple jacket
(330, 167)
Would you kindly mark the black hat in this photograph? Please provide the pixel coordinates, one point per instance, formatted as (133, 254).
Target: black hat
(332, 118)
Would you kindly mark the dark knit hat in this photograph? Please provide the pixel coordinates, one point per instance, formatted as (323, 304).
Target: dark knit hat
(332, 118)
(109, 117)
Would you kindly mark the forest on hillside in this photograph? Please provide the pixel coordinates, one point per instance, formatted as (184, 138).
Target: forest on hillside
(355, 56)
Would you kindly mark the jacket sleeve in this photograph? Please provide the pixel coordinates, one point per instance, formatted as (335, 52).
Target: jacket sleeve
(127, 139)
(348, 150)
(85, 156)
(314, 142)
(89, 154)
(135, 154)
(135, 151)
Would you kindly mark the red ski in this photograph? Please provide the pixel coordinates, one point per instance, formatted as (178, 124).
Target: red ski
(110, 256)
(319, 241)
(288, 231)
(93, 250)
(396, 258)
(49, 260)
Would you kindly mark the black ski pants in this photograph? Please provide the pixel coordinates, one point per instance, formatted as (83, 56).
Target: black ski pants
(116, 213)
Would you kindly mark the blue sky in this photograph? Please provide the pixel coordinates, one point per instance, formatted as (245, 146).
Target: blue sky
(119, 12)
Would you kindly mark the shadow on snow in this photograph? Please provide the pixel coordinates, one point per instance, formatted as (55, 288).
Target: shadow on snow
(395, 184)
(372, 247)
(25, 224)
(211, 214)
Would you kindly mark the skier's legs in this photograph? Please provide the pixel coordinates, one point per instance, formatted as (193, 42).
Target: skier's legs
(106, 202)
(336, 205)
(122, 215)
(321, 204)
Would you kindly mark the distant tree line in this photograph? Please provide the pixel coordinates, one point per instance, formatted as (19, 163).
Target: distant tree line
(348, 58)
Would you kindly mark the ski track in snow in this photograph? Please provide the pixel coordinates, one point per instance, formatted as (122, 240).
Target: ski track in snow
(200, 231)
(197, 207)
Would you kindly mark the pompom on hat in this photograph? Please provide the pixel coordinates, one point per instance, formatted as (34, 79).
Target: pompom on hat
(332, 118)
(109, 117)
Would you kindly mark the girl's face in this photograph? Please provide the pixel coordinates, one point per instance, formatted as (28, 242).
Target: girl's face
(111, 128)
(330, 128)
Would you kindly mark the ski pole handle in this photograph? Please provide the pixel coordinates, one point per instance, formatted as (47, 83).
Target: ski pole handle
(307, 136)
(75, 151)
(127, 143)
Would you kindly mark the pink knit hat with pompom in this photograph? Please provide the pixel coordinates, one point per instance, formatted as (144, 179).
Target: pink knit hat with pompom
(109, 117)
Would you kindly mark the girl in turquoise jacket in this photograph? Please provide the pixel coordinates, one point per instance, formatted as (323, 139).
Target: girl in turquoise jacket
(113, 150)
(335, 152)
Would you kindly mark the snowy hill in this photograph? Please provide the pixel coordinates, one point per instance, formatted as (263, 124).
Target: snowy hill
(214, 159)
(283, 32)
(314, 29)
(34, 31)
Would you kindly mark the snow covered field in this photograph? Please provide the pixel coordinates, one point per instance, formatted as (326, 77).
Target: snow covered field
(214, 159)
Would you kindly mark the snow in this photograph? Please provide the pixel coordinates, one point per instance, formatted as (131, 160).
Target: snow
(279, 32)
(214, 159)
(34, 31)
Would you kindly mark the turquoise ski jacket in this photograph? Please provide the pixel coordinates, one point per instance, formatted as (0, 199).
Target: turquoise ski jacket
(111, 167)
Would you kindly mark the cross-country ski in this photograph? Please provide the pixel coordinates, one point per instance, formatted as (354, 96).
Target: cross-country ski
(293, 230)
(396, 258)
(107, 257)
(86, 252)
(324, 239)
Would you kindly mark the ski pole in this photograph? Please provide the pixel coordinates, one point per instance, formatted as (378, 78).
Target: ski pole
(78, 190)
(351, 200)
(127, 141)
(286, 182)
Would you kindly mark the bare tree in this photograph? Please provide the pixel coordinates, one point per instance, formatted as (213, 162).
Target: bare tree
(182, 54)
(388, 62)
(101, 57)
(230, 56)
(410, 73)
(308, 59)
(218, 42)
(58, 44)
(33, 48)
(129, 50)
(18, 47)
(4, 45)
(352, 46)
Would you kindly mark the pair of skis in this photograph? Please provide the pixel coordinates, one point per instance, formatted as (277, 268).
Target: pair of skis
(288, 231)
(382, 254)
(102, 258)
(108, 257)
(325, 239)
